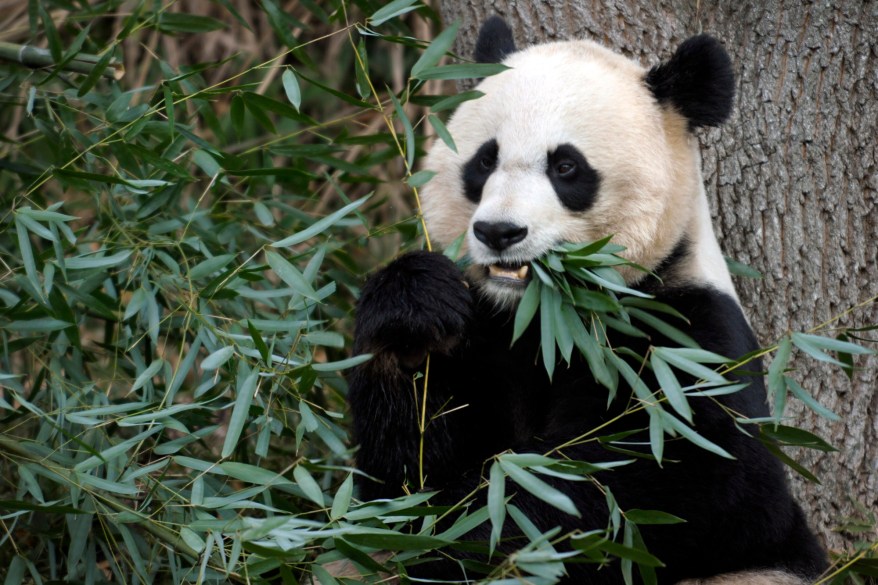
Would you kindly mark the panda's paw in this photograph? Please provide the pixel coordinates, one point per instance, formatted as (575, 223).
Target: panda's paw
(419, 303)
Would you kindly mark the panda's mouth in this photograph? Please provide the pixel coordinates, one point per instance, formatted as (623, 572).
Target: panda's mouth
(509, 273)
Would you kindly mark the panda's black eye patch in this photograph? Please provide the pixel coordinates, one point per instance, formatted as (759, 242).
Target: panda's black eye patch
(574, 180)
(478, 168)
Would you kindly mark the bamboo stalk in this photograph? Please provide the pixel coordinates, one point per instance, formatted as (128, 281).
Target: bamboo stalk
(36, 57)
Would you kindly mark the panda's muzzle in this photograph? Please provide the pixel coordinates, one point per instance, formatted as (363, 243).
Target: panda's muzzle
(508, 273)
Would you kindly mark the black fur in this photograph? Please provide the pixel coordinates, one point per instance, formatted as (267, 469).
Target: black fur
(739, 513)
(402, 321)
(478, 168)
(698, 81)
(495, 41)
(576, 188)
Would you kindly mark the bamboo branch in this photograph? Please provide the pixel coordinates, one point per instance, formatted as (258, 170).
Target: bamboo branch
(36, 58)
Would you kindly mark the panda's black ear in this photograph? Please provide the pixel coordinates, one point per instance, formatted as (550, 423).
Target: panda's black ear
(495, 41)
(698, 81)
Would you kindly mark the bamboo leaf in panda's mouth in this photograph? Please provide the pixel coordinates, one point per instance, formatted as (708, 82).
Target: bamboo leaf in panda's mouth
(580, 296)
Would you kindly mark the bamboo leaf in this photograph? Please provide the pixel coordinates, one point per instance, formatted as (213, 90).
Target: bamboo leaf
(259, 343)
(137, 302)
(420, 178)
(113, 487)
(177, 22)
(290, 275)
(539, 489)
(209, 266)
(147, 374)
(455, 100)
(671, 387)
(437, 49)
(790, 462)
(27, 256)
(663, 328)
(740, 269)
(408, 132)
(341, 364)
(92, 78)
(795, 437)
(320, 225)
(656, 435)
(240, 412)
(639, 556)
(42, 325)
(776, 386)
(803, 395)
(442, 131)
(563, 335)
(52, 36)
(206, 163)
(527, 459)
(547, 333)
(594, 300)
(651, 517)
(253, 474)
(527, 308)
(90, 263)
(496, 503)
(689, 433)
(392, 10)
(263, 214)
(461, 71)
(291, 88)
(396, 541)
(361, 71)
(116, 450)
(309, 486)
(35, 227)
(816, 346)
(236, 112)
(341, 503)
(217, 358)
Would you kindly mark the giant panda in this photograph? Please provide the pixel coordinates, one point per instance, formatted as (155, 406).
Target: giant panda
(569, 144)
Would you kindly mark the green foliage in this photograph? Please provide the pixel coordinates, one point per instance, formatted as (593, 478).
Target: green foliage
(181, 249)
(180, 260)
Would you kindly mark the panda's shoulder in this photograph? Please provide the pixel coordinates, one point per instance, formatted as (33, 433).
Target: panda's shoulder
(715, 318)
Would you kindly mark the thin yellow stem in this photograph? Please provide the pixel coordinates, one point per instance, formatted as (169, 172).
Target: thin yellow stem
(422, 424)
(861, 555)
(388, 121)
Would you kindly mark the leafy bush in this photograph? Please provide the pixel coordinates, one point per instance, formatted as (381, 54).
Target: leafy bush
(181, 249)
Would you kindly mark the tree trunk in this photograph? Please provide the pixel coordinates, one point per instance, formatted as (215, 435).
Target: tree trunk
(792, 181)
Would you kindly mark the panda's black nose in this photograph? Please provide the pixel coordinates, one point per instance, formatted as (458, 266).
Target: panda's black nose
(499, 235)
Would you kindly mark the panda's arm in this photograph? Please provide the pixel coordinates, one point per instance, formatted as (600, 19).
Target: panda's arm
(417, 305)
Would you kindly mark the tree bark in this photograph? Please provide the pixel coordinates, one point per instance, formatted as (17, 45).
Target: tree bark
(792, 183)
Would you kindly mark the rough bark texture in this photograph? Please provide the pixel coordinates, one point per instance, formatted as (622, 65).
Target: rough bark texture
(792, 180)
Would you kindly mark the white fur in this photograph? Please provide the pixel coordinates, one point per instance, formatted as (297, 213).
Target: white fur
(577, 92)
(749, 578)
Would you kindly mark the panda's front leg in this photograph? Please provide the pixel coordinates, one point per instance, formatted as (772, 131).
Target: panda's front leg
(416, 306)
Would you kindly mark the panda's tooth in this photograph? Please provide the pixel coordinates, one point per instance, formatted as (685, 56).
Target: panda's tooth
(497, 271)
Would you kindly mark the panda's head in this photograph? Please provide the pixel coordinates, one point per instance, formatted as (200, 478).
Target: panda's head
(572, 143)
